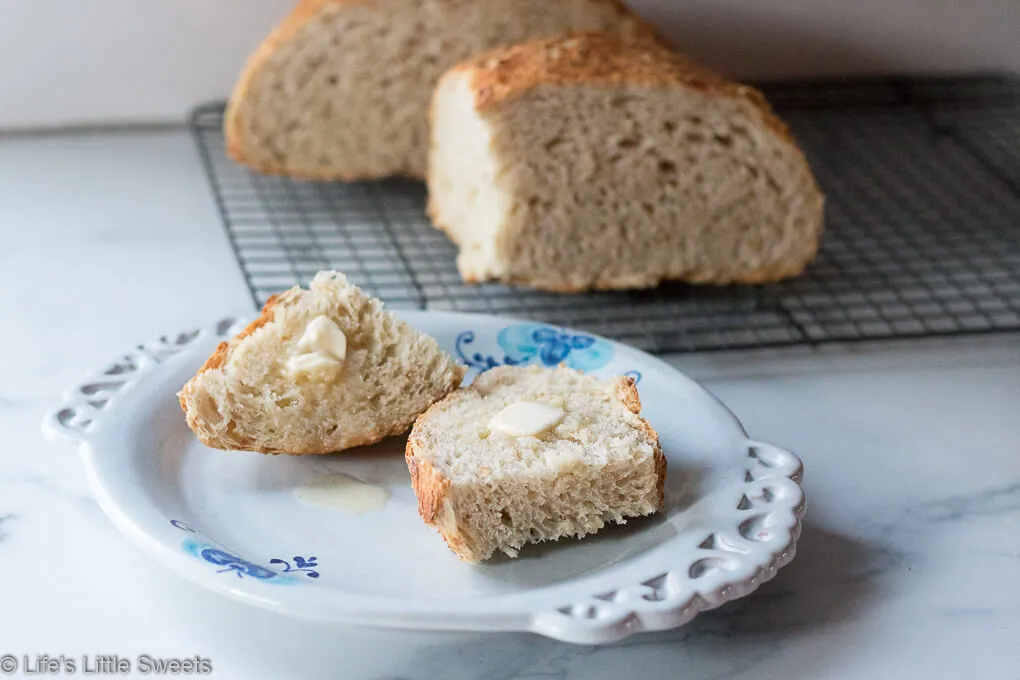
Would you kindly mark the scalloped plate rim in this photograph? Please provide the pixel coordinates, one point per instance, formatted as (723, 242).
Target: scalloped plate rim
(542, 622)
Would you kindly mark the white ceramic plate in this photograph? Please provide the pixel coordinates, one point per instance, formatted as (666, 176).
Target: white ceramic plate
(231, 520)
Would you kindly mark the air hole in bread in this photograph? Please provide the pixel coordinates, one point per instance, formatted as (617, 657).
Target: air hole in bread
(207, 409)
(553, 143)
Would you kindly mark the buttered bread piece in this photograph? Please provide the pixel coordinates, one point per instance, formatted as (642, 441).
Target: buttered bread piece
(528, 454)
(588, 162)
(321, 370)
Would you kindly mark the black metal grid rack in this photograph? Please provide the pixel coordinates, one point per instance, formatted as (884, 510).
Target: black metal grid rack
(922, 179)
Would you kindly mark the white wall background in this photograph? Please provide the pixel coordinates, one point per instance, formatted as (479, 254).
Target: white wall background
(101, 61)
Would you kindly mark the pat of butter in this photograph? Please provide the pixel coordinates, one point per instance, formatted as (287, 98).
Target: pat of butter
(324, 337)
(526, 419)
(316, 365)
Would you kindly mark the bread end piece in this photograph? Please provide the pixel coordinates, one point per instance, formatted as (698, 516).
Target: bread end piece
(587, 162)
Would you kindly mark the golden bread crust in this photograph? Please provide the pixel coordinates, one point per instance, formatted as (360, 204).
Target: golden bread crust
(432, 489)
(590, 58)
(626, 391)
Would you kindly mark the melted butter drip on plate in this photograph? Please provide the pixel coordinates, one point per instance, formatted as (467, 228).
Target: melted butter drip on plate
(342, 492)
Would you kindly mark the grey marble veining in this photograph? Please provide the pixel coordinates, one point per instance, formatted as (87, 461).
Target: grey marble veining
(994, 500)
(4, 520)
(907, 566)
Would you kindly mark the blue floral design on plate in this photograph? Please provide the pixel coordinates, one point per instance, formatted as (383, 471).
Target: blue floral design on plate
(230, 562)
(478, 360)
(301, 564)
(533, 343)
(240, 567)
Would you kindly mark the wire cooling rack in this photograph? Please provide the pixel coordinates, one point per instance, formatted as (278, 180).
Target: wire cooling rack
(922, 237)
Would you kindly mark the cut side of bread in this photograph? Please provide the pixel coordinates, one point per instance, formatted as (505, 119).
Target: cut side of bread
(321, 370)
(340, 90)
(587, 162)
(489, 481)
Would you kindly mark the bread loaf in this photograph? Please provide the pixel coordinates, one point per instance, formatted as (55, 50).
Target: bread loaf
(321, 370)
(530, 454)
(586, 162)
(340, 90)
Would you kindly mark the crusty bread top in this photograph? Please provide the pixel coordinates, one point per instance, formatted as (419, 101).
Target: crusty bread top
(591, 58)
(309, 9)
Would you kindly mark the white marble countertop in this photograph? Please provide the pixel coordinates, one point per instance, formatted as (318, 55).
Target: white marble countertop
(908, 562)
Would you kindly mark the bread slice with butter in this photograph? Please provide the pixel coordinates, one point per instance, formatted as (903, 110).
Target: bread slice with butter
(321, 370)
(528, 454)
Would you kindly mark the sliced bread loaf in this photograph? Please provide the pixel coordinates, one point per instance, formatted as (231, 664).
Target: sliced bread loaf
(321, 370)
(528, 454)
(589, 162)
(340, 90)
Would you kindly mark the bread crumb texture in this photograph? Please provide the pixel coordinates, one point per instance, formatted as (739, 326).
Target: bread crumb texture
(589, 162)
(486, 490)
(246, 397)
(340, 90)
